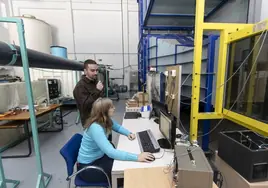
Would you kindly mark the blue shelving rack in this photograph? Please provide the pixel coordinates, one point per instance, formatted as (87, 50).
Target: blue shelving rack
(166, 16)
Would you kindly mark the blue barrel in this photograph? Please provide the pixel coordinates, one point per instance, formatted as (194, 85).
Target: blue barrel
(59, 51)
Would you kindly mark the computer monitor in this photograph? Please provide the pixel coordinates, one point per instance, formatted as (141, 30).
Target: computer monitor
(159, 106)
(167, 126)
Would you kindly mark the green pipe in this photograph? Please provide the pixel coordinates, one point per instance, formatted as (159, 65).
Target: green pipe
(2, 175)
(14, 182)
(3, 180)
(25, 63)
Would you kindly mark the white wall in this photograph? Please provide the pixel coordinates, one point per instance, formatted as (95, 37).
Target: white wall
(264, 12)
(94, 29)
(258, 10)
(4, 11)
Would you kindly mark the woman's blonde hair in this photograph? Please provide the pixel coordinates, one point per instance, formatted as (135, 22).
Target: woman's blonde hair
(99, 113)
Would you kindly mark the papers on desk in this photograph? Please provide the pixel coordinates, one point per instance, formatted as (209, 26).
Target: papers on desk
(26, 107)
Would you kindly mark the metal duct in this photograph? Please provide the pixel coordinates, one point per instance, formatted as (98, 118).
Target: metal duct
(37, 59)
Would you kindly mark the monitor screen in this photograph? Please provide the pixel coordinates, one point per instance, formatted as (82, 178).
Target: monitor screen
(165, 125)
(159, 106)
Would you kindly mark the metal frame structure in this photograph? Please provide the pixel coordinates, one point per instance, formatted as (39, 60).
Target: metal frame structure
(3, 180)
(144, 51)
(228, 33)
(210, 68)
(174, 16)
(41, 182)
(143, 55)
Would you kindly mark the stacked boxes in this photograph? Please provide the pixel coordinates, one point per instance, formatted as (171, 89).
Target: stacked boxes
(140, 99)
(132, 103)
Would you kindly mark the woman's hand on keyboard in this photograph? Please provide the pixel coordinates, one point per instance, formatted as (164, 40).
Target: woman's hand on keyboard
(131, 136)
(146, 157)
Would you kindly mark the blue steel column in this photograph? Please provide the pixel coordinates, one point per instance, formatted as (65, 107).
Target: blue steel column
(144, 46)
(148, 52)
(209, 86)
(139, 70)
(140, 53)
(176, 51)
(156, 54)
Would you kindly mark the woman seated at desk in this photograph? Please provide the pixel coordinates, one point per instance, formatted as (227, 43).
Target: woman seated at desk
(97, 150)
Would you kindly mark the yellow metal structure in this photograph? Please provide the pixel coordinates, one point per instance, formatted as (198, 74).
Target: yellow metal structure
(198, 43)
(247, 122)
(229, 32)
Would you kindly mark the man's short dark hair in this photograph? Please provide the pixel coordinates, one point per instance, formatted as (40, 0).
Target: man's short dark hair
(89, 62)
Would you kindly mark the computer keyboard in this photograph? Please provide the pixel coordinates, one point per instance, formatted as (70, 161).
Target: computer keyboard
(147, 142)
(132, 115)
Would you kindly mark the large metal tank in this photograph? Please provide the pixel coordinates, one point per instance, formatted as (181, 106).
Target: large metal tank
(38, 34)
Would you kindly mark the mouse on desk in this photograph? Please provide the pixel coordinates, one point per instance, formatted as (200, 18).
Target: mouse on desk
(148, 157)
(152, 159)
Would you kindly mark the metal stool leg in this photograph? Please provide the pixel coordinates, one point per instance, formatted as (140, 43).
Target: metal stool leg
(77, 118)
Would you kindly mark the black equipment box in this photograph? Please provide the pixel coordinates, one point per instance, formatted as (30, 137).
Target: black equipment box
(53, 88)
(246, 152)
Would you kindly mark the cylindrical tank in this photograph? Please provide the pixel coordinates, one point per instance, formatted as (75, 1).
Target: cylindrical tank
(59, 51)
(38, 34)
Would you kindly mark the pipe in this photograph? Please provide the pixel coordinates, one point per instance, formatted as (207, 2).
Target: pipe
(36, 59)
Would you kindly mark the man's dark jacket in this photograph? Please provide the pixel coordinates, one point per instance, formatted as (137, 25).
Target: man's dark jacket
(85, 94)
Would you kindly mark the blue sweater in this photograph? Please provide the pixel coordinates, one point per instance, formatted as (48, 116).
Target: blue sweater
(95, 144)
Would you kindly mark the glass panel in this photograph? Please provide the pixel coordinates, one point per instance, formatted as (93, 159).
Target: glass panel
(247, 90)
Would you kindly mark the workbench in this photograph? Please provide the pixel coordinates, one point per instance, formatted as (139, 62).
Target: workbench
(22, 119)
(149, 178)
(163, 158)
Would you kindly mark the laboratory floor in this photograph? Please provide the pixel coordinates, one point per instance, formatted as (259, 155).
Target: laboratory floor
(24, 169)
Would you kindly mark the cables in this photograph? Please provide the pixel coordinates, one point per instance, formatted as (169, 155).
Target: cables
(186, 79)
(261, 136)
(242, 64)
(183, 127)
(246, 81)
(169, 166)
(242, 89)
(161, 155)
(220, 180)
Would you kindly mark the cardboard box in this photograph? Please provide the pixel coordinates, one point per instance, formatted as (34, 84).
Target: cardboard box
(132, 103)
(142, 97)
(232, 179)
(143, 104)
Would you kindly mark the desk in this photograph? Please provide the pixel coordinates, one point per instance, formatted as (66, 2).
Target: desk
(23, 119)
(148, 178)
(137, 125)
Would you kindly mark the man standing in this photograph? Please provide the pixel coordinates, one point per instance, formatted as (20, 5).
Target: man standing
(87, 90)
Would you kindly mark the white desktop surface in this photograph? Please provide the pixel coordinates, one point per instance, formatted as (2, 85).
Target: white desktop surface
(137, 125)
